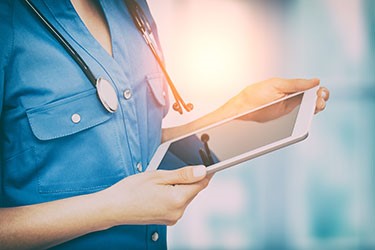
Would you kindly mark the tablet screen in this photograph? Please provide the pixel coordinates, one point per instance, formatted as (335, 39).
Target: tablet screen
(234, 137)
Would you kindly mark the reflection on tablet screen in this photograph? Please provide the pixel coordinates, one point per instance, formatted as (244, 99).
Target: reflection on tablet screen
(234, 137)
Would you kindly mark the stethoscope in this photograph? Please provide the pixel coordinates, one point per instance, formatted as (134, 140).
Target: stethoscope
(105, 91)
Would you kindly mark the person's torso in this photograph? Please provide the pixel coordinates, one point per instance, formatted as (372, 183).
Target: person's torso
(57, 140)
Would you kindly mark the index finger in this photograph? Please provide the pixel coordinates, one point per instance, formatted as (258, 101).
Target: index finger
(288, 86)
(189, 191)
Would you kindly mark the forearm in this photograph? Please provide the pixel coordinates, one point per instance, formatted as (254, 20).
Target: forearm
(47, 224)
(252, 96)
(154, 197)
(174, 132)
(225, 111)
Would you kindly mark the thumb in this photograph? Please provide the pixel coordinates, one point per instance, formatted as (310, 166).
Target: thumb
(186, 175)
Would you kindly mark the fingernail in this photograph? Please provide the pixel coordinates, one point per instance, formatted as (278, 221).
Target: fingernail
(324, 94)
(199, 171)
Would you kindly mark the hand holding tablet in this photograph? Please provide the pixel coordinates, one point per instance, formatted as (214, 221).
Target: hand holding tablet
(242, 137)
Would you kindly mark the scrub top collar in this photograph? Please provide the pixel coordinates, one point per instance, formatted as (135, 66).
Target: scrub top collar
(70, 25)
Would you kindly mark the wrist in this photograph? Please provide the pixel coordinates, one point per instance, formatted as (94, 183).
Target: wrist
(105, 209)
(117, 205)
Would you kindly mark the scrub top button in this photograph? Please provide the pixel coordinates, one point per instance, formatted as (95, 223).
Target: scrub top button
(127, 94)
(155, 236)
(139, 167)
(76, 118)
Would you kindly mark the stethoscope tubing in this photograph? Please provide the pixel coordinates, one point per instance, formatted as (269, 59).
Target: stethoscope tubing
(178, 99)
(143, 26)
(85, 68)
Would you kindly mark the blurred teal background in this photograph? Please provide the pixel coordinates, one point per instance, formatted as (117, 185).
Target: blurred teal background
(318, 194)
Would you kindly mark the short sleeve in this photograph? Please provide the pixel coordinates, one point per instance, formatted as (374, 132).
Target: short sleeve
(1, 145)
(6, 31)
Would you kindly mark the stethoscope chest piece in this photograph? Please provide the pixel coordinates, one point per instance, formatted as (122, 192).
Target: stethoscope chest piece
(107, 94)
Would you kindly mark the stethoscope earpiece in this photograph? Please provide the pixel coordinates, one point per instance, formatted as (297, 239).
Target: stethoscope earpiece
(189, 107)
(177, 107)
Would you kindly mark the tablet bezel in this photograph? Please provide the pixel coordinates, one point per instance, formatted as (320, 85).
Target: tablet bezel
(299, 133)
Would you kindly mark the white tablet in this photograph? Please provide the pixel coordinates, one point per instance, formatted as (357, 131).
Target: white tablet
(241, 138)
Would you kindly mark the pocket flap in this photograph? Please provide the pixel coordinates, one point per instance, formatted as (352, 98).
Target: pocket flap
(67, 116)
(157, 87)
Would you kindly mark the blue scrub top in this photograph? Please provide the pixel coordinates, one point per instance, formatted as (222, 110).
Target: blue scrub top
(46, 154)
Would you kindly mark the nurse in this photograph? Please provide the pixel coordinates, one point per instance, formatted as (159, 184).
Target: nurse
(72, 173)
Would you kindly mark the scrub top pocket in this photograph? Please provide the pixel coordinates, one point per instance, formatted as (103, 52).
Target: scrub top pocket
(78, 145)
(157, 99)
(66, 117)
(157, 88)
